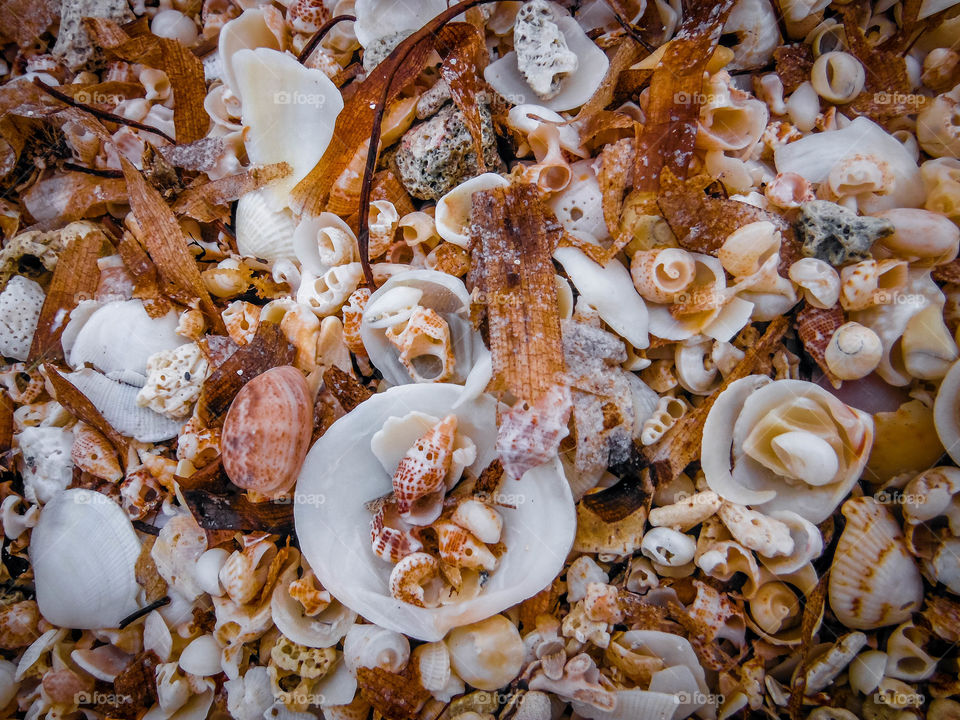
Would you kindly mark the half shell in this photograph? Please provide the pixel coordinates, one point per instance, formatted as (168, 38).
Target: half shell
(83, 552)
(263, 232)
(334, 535)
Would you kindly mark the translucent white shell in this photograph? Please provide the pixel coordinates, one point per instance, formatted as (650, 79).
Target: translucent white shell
(118, 337)
(524, 119)
(609, 289)
(579, 208)
(379, 18)
(117, 402)
(838, 77)
(262, 231)
(453, 209)
(730, 119)
(814, 156)
(576, 88)
(323, 630)
(334, 535)
(784, 428)
(247, 31)
(372, 646)
(289, 112)
(394, 302)
(819, 281)
(83, 551)
(324, 241)
(873, 580)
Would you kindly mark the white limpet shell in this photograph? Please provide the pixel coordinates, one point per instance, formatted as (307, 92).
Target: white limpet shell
(117, 402)
(323, 630)
(118, 337)
(816, 155)
(263, 231)
(920, 236)
(289, 112)
(83, 552)
(335, 538)
(576, 88)
(867, 670)
(609, 289)
(579, 207)
(156, 636)
(794, 446)
(487, 654)
(380, 18)
(394, 302)
(453, 209)
(873, 580)
(201, 657)
(324, 241)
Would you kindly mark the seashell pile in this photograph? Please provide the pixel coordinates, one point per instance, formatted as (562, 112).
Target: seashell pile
(480, 360)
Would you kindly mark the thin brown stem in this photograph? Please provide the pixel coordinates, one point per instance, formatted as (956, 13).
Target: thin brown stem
(319, 35)
(98, 113)
(92, 171)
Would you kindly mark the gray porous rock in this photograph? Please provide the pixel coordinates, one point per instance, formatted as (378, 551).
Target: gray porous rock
(438, 154)
(73, 43)
(543, 57)
(836, 235)
(380, 49)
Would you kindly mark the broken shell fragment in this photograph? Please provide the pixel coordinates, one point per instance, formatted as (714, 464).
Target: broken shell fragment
(266, 433)
(83, 551)
(487, 654)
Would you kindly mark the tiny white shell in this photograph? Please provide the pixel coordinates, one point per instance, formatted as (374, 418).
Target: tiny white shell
(207, 570)
(201, 657)
(323, 630)
(867, 670)
(820, 282)
(668, 547)
(853, 352)
(322, 242)
(838, 77)
(262, 230)
(372, 646)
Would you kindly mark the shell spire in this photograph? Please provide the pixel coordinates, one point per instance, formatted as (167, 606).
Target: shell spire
(421, 472)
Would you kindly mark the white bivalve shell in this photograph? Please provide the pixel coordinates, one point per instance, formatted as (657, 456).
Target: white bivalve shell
(83, 552)
(201, 657)
(573, 90)
(784, 445)
(262, 231)
(487, 654)
(380, 18)
(118, 338)
(335, 538)
(453, 209)
(873, 580)
(395, 302)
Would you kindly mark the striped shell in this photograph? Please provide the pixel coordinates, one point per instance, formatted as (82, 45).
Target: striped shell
(262, 231)
(418, 483)
(389, 542)
(873, 580)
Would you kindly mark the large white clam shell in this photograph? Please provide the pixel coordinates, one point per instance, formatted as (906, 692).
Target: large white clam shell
(438, 291)
(262, 231)
(506, 79)
(289, 111)
(738, 477)
(83, 552)
(873, 580)
(118, 337)
(117, 402)
(245, 32)
(335, 535)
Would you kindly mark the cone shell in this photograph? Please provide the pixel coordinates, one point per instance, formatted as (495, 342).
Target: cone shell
(873, 581)
(266, 433)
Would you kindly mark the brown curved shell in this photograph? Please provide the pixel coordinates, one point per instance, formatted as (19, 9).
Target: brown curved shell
(266, 433)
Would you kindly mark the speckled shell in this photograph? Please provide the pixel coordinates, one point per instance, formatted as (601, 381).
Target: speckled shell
(266, 433)
(422, 470)
(873, 580)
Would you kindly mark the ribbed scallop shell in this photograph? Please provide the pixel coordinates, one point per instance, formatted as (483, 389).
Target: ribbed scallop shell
(422, 470)
(873, 580)
(262, 231)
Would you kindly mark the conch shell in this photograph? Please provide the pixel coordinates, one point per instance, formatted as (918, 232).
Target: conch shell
(537, 533)
(794, 446)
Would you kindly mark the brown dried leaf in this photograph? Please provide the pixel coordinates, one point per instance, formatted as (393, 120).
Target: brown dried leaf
(673, 108)
(465, 57)
(812, 614)
(269, 348)
(133, 691)
(233, 511)
(615, 176)
(793, 65)
(24, 21)
(205, 202)
(395, 697)
(680, 445)
(345, 388)
(184, 69)
(78, 405)
(490, 478)
(6, 422)
(145, 570)
(815, 327)
(948, 273)
(65, 197)
(103, 95)
(165, 242)
(627, 53)
(711, 656)
(74, 279)
(543, 603)
(513, 237)
(386, 186)
(145, 278)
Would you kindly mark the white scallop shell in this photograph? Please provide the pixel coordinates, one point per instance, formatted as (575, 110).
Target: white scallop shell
(83, 552)
(117, 402)
(262, 231)
(438, 291)
(506, 79)
(289, 112)
(118, 337)
(373, 646)
(323, 630)
(334, 535)
(609, 289)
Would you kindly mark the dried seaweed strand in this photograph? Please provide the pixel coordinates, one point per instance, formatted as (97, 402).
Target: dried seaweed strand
(348, 391)
(513, 237)
(235, 512)
(320, 35)
(97, 112)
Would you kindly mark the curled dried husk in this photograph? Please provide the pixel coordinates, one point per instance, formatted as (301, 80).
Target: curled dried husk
(542, 525)
(394, 304)
(873, 580)
(83, 551)
(794, 446)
